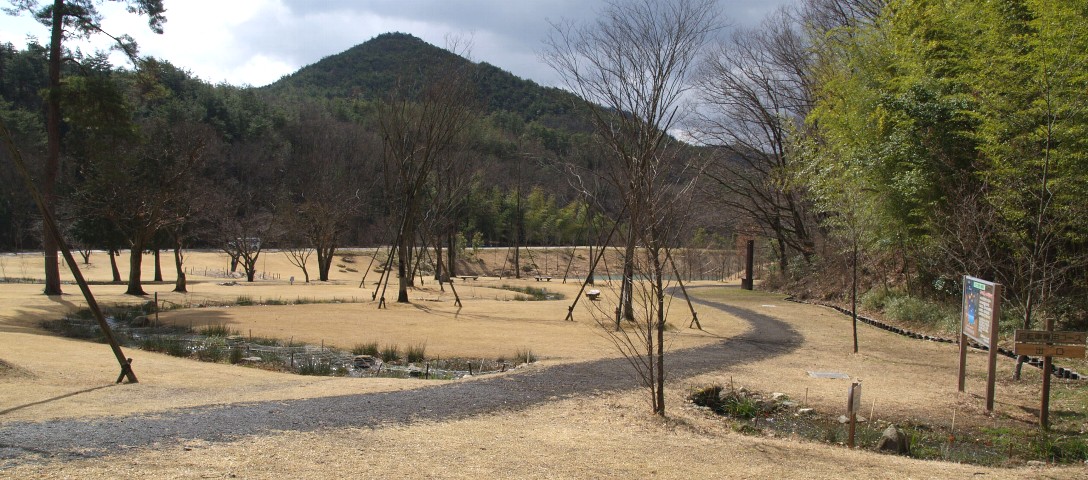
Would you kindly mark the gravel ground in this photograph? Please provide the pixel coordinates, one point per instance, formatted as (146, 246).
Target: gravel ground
(26, 442)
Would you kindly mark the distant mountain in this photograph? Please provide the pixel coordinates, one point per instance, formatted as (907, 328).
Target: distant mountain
(369, 70)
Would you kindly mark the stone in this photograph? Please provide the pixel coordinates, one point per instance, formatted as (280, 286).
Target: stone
(806, 411)
(364, 362)
(779, 396)
(893, 440)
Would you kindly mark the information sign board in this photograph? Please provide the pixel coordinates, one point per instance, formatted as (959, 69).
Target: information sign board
(978, 314)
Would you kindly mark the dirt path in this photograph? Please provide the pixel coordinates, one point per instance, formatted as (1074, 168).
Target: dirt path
(24, 441)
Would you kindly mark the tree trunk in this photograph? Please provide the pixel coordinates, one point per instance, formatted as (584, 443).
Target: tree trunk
(113, 266)
(402, 270)
(628, 276)
(158, 266)
(52, 158)
(179, 285)
(660, 294)
(854, 294)
(324, 262)
(135, 262)
(250, 265)
(451, 254)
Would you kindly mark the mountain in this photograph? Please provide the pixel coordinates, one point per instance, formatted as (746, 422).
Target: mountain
(371, 69)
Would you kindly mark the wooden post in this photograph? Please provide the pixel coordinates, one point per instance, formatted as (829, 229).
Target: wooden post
(991, 369)
(853, 403)
(747, 283)
(963, 361)
(1044, 403)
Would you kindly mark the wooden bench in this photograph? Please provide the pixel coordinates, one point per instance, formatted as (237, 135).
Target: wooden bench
(544, 278)
(464, 278)
(593, 295)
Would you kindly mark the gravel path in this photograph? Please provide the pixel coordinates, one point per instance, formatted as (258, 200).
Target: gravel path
(21, 442)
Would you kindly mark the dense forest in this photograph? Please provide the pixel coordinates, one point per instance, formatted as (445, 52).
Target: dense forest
(898, 143)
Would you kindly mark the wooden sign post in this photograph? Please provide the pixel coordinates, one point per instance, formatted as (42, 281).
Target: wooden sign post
(853, 403)
(979, 322)
(1048, 344)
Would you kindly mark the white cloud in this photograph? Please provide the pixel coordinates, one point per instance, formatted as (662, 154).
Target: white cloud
(255, 42)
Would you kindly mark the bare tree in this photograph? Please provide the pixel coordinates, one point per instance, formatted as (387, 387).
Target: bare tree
(633, 68)
(328, 167)
(419, 122)
(140, 189)
(755, 91)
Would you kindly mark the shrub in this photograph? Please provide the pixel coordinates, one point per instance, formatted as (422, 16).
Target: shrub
(917, 311)
(165, 344)
(214, 350)
(218, 330)
(235, 355)
(416, 353)
(524, 356)
(390, 353)
(369, 348)
(313, 366)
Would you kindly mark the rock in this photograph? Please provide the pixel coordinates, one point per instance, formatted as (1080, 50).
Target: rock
(788, 404)
(364, 362)
(1036, 463)
(843, 419)
(805, 411)
(779, 396)
(893, 440)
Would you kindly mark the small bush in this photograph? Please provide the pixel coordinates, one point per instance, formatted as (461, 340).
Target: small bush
(369, 348)
(213, 351)
(390, 353)
(916, 311)
(244, 300)
(524, 356)
(732, 403)
(218, 330)
(416, 353)
(876, 299)
(165, 344)
(313, 366)
(235, 355)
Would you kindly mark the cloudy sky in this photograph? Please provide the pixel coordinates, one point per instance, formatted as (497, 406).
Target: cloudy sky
(255, 42)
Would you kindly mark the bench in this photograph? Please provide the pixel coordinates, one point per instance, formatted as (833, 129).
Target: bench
(544, 278)
(464, 278)
(593, 295)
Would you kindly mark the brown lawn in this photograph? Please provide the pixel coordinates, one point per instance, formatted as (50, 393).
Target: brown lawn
(44, 377)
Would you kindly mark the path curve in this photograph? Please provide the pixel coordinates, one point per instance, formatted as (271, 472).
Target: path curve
(74, 438)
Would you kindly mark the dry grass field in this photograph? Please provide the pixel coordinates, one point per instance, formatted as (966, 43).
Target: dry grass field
(587, 436)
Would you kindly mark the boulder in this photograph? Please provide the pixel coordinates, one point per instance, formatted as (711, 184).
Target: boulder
(893, 440)
(364, 362)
